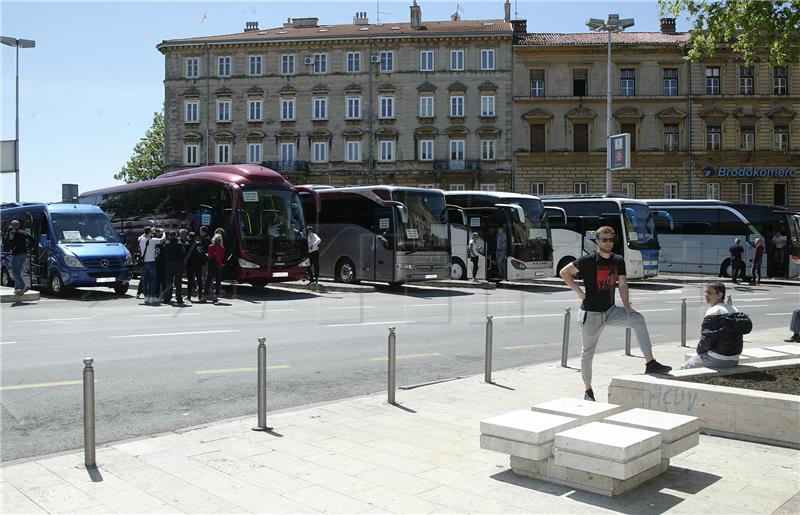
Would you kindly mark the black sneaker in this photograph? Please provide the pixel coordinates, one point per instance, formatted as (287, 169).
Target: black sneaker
(588, 395)
(654, 367)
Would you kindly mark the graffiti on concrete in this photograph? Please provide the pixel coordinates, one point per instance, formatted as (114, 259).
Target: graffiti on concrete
(662, 398)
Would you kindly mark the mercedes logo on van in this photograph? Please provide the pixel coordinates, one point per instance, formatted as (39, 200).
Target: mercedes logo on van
(104, 263)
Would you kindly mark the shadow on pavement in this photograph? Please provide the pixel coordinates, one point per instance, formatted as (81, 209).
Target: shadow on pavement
(655, 286)
(545, 289)
(420, 292)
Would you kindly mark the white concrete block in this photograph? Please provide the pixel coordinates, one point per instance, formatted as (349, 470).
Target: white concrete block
(586, 411)
(606, 467)
(762, 354)
(671, 426)
(792, 349)
(670, 450)
(742, 359)
(608, 441)
(527, 426)
(513, 448)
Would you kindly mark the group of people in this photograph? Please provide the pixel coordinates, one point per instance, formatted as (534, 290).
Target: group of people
(166, 256)
(476, 248)
(738, 266)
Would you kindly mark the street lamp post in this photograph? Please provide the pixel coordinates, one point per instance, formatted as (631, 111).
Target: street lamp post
(613, 24)
(17, 43)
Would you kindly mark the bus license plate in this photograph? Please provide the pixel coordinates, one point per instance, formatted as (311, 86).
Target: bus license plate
(105, 279)
(280, 274)
(430, 276)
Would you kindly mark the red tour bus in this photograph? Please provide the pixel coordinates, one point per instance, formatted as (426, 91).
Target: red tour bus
(260, 211)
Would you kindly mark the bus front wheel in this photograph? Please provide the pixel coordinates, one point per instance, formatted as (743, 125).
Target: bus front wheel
(345, 271)
(458, 270)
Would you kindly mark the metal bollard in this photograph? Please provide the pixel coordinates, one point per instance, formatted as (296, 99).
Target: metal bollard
(683, 322)
(565, 342)
(262, 386)
(627, 341)
(730, 300)
(392, 362)
(487, 374)
(88, 413)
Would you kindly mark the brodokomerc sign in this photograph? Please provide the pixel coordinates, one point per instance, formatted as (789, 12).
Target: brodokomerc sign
(756, 172)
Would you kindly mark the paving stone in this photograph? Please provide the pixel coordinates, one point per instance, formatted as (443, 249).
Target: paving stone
(585, 411)
(529, 427)
(608, 441)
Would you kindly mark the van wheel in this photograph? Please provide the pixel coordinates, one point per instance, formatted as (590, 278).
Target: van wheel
(458, 270)
(5, 278)
(121, 289)
(345, 271)
(56, 285)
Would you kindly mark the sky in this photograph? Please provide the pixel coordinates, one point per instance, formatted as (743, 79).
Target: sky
(90, 87)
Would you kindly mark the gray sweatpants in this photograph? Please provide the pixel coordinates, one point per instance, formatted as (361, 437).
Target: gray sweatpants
(592, 324)
(704, 360)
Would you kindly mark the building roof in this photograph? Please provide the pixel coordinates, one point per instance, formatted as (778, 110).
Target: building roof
(597, 39)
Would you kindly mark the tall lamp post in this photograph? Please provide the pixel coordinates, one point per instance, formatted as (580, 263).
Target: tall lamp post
(613, 24)
(17, 43)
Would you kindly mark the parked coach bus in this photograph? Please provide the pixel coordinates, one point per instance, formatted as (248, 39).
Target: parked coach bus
(388, 234)
(522, 217)
(631, 219)
(261, 213)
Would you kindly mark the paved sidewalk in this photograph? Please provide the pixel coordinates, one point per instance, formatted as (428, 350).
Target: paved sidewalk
(363, 455)
(7, 296)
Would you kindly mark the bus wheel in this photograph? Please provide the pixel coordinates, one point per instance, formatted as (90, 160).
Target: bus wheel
(458, 270)
(725, 268)
(345, 271)
(5, 277)
(564, 262)
(121, 289)
(56, 284)
(258, 284)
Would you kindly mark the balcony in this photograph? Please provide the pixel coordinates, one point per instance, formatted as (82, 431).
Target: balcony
(287, 166)
(456, 165)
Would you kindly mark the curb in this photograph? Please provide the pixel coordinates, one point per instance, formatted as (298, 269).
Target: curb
(7, 298)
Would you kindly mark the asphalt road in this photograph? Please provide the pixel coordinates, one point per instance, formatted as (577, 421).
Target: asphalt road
(163, 368)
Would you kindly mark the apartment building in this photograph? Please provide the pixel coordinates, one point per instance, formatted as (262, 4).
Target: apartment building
(422, 103)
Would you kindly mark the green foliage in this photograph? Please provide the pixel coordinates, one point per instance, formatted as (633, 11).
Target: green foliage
(752, 28)
(147, 161)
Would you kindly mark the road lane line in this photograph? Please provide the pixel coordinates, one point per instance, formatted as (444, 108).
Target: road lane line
(751, 305)
(7, 343)
(174, 315)
(50, 320)
(424, 305)
(408, 356)
(529, 316)
(265, 310)
(654, 310)
(373, 323)
(495, 302)
(235, 370)
(778, 314)
(39, 385)
(534, 345)
(176, 334)
(350, 307)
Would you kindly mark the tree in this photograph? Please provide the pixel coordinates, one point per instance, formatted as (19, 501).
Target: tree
(750, 27)
(147, 161)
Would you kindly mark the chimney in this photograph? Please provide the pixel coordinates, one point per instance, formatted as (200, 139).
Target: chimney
(305, 23)
(251, 26)
(507, 10)
(416, 15)
(519, 26)
(668, 25)
(361, 18)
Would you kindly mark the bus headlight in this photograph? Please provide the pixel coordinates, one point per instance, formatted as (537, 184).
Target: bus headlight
(519, 265)
(405, 266)
(305, 263)
(72, 262)
(247, 264)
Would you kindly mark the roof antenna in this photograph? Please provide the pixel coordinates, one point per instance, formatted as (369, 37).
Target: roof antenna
(456, 16)
(378, 12)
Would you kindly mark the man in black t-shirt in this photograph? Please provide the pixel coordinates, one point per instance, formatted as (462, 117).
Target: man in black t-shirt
(601, 272)
(737, 260)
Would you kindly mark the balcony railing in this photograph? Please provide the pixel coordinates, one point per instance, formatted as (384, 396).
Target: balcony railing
(457, 164)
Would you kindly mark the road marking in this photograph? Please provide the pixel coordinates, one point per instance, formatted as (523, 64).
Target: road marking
(424, 305)
(6, 343)
(408, 356)
(752, 305)
(175, 315)
(496, 302)
(687, 301)
(753, 299)
(39, 385)
(235, 370)
(176, 334)
(373, 323)
(49, 320)
(768, 314)
(265, 310)
(518, 347)
(350, 307)
(654, 310)
(529, 316)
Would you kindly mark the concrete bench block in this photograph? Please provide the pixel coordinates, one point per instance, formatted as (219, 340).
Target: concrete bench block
(527, 426)
(754, 355)
(672, 449)
(792, 349)
(671, 425)
(615, 469)
(585, 411)
(608, 441)
(742, 359)
(514, 448)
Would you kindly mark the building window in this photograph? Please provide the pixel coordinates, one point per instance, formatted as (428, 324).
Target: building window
(426, 107)
(320, 109)
(387, 61)
(426, 61)
(457, 60)
(426, 150)
(320, 151)
(190, 111)
(746, 193)
(192, 67)
(712, 191)
(781, 194)
(630, 128)
(580, 188)
(487, 105)
(287, 154)
(254, 152)
(537, 137)
(746, 80)
(712, 80)
(255, 65)
(781, 137)
(671, 136)
(426, 185)
(488, 149)
(580, 137)
(579, 82)
(670, 82)
(352, 151)
(537, 188)
(747, 138)
(780, 80)
(629, 189)
(537, 83)
(254, 110)
(627, 82)
(190, 154)
(386, 150)
(386, 107)
(489, 187)
(353, 107)
(456, 187)
(223, 110)
(713, 137)
(287, 64)
(223, 153)
(224, 66)
(457, 150)
(487, 59)
(457, 106)
(353, 62)
(320, 64)
(287, 109)
(670, 190)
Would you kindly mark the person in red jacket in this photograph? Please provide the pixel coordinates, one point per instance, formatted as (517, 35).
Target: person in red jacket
(755, 273)
(216, 260)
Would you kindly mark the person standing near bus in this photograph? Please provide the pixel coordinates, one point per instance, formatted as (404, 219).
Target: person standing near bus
(205, 241)
(216, 261)
(501, 251)
(147, 249)
(16, 242)
(194, 262)
(313, 254)
(601, 271)
(737, 261)
(779, 246)
(755, 272)
(474, 250)
(174, 254)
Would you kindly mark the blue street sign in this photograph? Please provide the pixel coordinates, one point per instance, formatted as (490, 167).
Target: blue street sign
(619, 151)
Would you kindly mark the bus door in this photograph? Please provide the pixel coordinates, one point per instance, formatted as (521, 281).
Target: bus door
(383, 265)
(41, 244)
(480, 223)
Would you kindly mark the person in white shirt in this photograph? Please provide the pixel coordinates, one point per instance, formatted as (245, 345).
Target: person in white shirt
(720, 334)
(147, 250)
(474, 251)
(313, 254)
(779, 245)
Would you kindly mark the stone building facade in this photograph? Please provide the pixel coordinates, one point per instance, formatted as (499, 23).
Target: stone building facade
(423, 103)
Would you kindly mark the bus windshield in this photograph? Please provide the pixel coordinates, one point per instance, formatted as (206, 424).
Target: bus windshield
(426, 228)
(529, 238)
(83, 228)
(272, 224)
(639, 224)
